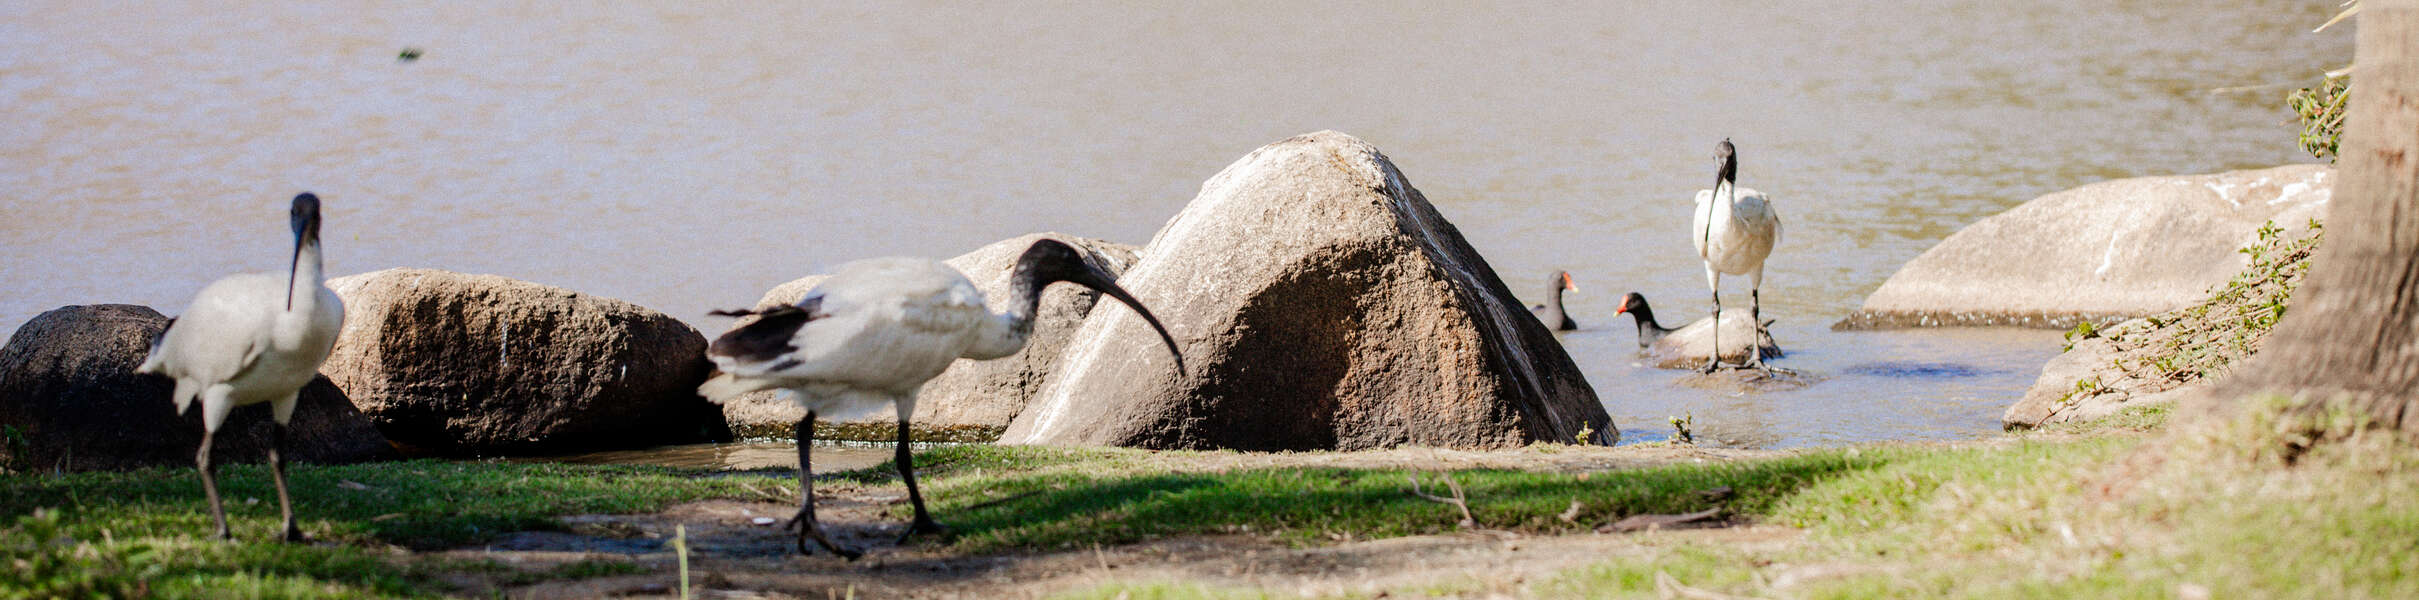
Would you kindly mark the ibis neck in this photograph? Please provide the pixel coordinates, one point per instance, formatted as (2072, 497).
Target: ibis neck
(1008, 331)
(1024, 300)
(309, 272)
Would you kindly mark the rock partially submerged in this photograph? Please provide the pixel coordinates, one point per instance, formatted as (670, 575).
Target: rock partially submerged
(1740, 380)
(1688, 346)
(979, 396)
(69, 393)
(2101, 252)
(1323, 304)
(459, 365)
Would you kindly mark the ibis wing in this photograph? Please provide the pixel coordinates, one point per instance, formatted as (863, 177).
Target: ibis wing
(225, 331)
(770, 337)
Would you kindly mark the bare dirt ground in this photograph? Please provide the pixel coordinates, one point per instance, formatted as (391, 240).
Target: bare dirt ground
(739, 550)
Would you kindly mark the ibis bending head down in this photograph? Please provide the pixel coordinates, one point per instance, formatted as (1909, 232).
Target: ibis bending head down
(1735, 230)
(248, 339)
(874, 332)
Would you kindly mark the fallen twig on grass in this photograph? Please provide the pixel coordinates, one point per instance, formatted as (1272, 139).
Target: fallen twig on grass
(1643, 522)
(765, 494)
(1459, 499)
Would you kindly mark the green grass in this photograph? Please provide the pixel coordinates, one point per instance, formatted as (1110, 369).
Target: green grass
(2131, 419)
(2117, 507)
(153, 525)
(2108, 514)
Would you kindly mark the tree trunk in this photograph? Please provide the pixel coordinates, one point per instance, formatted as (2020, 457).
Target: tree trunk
(2350, 344)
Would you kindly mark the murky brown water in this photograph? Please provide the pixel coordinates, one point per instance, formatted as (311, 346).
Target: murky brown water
(690, 155)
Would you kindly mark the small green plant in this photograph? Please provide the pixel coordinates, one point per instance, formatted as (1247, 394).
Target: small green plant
(1680, 433)
(2082, 331)
(680, 545)
(2321, 112)
(2084, 388)
(14, 448)
(44, 562)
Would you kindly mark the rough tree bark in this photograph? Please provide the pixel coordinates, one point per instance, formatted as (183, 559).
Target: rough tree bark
(2351, 340)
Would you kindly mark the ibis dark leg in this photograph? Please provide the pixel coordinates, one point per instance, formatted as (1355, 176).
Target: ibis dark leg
(277, 470)
(1713, 359)
(907, 470)
(804, 521)
(201, 460)
(1755, 312)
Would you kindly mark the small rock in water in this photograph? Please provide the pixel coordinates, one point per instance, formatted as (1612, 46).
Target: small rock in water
(762, 521)
(1746, 380)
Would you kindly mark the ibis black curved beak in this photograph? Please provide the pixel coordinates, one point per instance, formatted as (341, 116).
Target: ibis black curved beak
(1728, 157)
(1050, 261)
(305, 219)
(1098, 280)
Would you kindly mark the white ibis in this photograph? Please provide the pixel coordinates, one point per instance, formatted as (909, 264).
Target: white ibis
(1735, 231)
(873, 333)
(1551, 313)
(1672, 345)
(248, 339)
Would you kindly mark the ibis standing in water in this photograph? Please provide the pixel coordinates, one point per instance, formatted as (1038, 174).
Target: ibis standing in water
(248, 339)
(874, 332)
(1551, 312)
(1735, 231)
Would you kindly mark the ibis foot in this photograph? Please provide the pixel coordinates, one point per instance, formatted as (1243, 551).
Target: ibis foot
(927, 526)
(804, 522)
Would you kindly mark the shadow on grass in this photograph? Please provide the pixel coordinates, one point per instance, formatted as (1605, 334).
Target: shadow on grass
(156, 523)
(1060, 508)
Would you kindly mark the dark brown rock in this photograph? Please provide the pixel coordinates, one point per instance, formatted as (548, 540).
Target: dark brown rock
(69, 393)
(980, 396)
(1323, 304)
(459, 365)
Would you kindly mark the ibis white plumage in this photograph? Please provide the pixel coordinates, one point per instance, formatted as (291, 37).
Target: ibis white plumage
(253, 338)
(1735, 231)
(871, 335)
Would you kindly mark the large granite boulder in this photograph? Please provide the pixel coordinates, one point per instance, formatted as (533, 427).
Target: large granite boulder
(1322, 303)
(2101, 252)
(979, 397)
(71, 401)
(464, 365)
